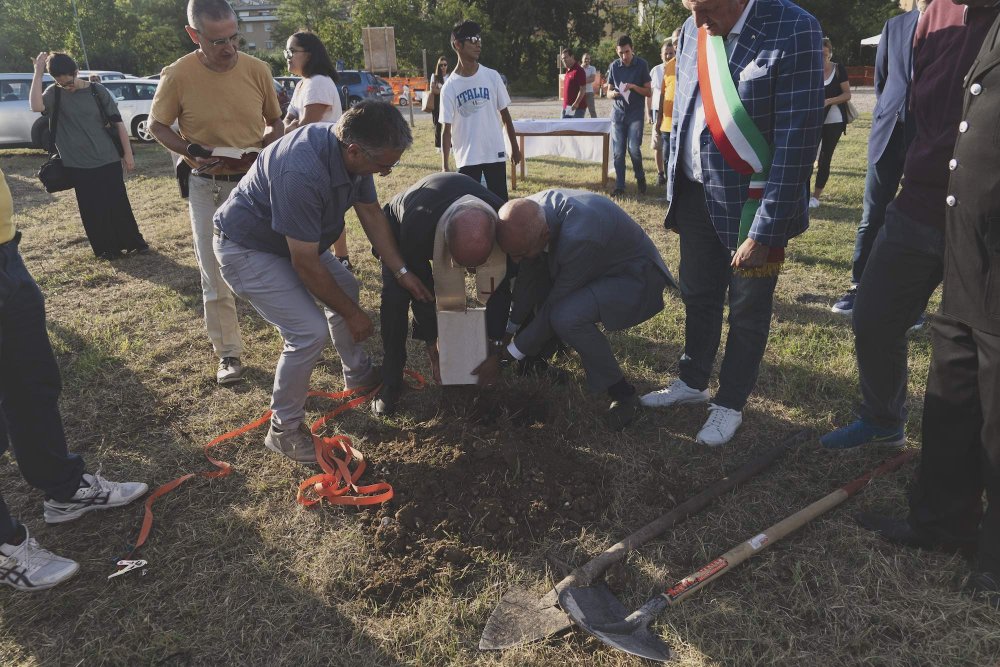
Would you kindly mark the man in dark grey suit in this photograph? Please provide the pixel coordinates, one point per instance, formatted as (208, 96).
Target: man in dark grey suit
(889, 138)
(583, 260)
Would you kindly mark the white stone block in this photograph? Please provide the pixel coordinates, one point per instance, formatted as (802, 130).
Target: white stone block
(462, 344)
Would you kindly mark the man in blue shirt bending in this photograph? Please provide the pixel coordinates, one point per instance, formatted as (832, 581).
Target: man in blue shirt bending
(272, 240)
(628, 83)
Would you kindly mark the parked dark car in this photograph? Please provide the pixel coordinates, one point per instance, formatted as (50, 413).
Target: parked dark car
(284, 97)
(359, 85)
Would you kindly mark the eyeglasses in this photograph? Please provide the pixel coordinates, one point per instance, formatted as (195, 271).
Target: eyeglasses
(232, 39)
(290, 53)
(475, 39)
(381, 166)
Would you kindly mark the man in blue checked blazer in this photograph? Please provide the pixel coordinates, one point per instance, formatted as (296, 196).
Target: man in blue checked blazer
(774, 51)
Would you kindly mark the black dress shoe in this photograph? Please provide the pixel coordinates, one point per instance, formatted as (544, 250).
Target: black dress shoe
(984, 586)
(640, 184)
(617, 193)
(899, 531)
(386, 401)
(622, 412)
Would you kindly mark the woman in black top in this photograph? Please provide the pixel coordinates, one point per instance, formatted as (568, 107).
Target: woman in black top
(87, 115)
(837, 91)
(437, 80)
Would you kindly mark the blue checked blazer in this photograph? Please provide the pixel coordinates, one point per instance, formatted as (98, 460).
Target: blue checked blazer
(783, 43)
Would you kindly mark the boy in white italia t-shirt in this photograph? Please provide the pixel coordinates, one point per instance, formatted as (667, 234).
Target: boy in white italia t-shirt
(471, 100)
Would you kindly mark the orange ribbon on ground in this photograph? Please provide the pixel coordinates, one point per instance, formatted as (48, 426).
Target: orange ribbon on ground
(337, 484)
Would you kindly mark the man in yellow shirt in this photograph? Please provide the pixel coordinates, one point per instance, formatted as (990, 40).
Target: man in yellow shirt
(219, 97)
(30, 423)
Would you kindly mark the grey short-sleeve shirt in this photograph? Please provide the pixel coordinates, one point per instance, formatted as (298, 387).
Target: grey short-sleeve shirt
(81, 138)
(297, 188)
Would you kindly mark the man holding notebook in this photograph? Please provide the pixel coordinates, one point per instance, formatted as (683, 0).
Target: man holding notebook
(220, 99)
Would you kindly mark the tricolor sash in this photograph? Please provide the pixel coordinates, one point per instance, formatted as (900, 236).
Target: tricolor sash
(736, 136)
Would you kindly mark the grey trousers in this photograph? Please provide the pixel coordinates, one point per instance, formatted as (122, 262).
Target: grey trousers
(220, 304)
(272, 286)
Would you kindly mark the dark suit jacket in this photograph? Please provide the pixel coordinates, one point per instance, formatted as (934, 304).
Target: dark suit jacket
(893, 72)
(590, 238)
(413, 216)
(972, 230)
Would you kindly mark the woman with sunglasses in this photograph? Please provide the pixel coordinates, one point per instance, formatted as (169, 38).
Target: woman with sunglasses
(90, 154)
(437, 80)
(316, 98)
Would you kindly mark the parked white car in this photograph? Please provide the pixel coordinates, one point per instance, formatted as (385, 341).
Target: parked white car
(134, 98)
(105, 75)
(19, 125)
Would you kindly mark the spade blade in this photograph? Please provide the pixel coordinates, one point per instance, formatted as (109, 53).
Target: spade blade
(521, 618)
(599, 612)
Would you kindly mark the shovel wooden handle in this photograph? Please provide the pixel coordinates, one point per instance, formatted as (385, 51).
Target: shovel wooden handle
(715, 569)
(590, 571)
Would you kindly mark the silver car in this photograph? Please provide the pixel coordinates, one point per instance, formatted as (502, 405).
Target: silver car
(19, 125)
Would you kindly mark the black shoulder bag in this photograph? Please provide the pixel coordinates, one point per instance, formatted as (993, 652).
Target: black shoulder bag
(108, 126)
(53, 173)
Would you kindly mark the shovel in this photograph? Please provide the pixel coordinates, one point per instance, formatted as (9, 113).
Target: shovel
(598, 611)
(522, 617)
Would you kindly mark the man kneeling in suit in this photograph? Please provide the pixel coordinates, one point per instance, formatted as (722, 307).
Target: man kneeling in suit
(583, 260)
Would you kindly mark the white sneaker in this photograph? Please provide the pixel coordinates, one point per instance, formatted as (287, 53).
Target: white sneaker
(813, 202)
(28, 567)
(677, 393)
(720, 427)
(95, 493)
(297, 443)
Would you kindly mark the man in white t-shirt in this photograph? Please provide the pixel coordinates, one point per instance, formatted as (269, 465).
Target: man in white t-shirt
(471, 98)
(591, 73)
(667, 51)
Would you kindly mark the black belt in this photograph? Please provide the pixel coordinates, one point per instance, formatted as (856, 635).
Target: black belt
(229, 178)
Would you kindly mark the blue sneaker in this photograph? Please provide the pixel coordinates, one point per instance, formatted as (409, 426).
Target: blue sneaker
(859, 432)
(845, 306)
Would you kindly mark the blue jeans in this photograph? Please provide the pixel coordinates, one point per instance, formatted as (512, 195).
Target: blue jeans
(881, 183)
(905, 267)
(633, 131)
(705, 278)
(29, 389)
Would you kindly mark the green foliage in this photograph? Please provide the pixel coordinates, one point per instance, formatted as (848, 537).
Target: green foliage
(522, 38)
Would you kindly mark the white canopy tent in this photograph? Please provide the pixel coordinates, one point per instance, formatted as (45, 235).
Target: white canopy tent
(871, 41)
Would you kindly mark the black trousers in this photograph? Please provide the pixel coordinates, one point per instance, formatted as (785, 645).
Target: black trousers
(30, 423)
(105, 209)
(960, 457)
(831, 137)
(496, 176)
(706, 279)
(435, 115)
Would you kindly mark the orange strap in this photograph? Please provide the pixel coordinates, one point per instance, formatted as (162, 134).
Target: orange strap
(333, 484)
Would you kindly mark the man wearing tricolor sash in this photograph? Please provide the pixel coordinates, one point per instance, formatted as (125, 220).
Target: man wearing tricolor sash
(747, 121)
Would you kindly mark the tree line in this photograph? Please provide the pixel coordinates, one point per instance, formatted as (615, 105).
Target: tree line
(522, 38)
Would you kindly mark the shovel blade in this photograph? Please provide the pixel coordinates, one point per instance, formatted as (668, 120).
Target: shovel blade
(598, 611)
(521, 618)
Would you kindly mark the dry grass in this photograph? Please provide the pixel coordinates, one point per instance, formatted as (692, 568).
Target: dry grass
(239, 574)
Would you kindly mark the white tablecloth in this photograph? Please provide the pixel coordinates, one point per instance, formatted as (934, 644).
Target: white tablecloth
(587, 149)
